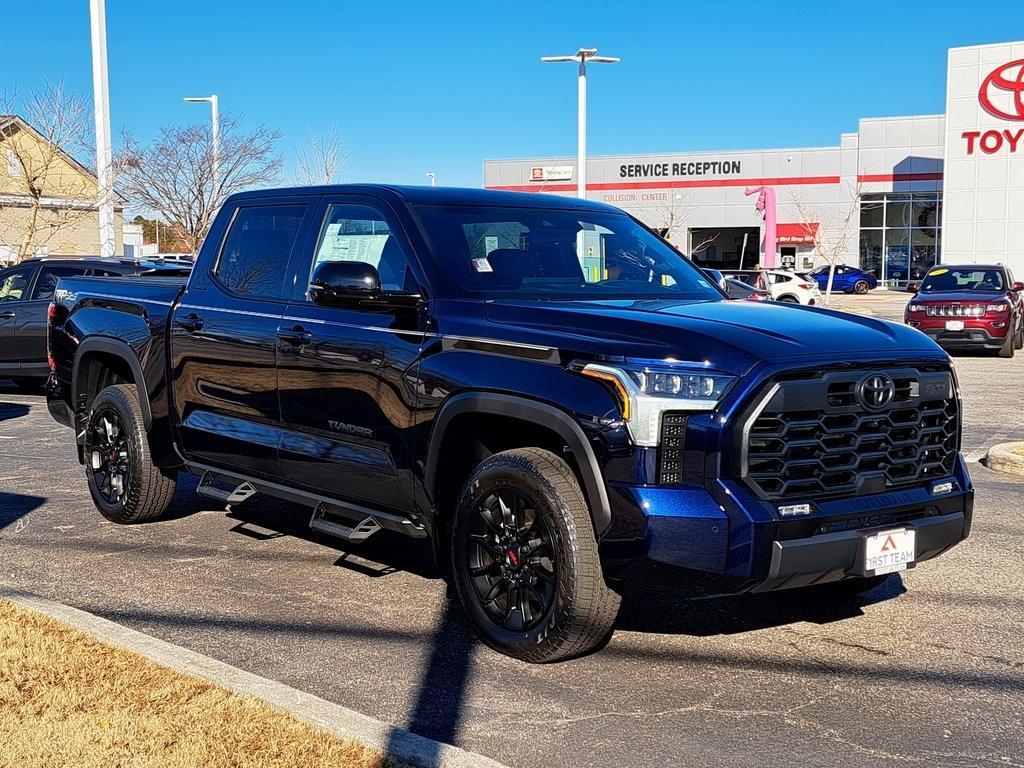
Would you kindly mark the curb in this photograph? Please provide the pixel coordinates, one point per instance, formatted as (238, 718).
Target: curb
(1003, 459)
(340, 721)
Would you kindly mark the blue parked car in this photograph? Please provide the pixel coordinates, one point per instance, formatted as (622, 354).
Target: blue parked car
(847, 279)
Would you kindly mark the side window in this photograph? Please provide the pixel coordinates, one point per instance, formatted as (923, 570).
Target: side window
(47, 282)
(254, 259)
(13, 285)
(361, 233)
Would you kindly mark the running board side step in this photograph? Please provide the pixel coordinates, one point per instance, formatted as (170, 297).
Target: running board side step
(224, 489)
(346, 520)
(331, 520)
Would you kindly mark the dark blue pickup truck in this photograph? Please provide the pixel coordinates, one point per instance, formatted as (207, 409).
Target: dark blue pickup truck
(562, 402)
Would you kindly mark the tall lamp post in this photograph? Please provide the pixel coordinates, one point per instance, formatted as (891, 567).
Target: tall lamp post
(215, 117)
(101, 105)
(433, 178)
(581, 57)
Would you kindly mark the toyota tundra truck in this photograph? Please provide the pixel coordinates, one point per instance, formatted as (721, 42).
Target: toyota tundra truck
(561, 402)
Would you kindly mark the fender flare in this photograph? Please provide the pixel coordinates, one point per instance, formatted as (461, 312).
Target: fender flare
(122, 351)
(530, 411)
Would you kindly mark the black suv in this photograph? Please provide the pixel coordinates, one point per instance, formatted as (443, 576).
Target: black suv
(25, 292)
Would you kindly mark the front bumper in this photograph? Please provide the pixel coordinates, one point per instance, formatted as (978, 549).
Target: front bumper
(835, 556)
(687, 540)
(977, 334)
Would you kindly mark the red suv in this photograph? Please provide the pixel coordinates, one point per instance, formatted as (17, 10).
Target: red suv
(969, 306)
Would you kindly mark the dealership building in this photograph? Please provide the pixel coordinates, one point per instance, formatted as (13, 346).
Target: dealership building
(895, 197)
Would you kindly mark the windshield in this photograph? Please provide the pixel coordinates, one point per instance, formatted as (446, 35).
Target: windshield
(540, 253)
(965, 279)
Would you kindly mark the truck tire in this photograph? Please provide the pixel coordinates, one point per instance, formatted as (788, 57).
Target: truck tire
(126, 486)
(525, 559)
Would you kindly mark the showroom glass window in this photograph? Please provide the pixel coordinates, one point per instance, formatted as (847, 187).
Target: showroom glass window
(900, 236)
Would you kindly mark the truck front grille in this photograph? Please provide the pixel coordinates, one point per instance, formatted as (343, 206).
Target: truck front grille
(818, 437)
(954, 310)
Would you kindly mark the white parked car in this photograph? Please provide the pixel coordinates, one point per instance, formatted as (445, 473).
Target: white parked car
(782, 284)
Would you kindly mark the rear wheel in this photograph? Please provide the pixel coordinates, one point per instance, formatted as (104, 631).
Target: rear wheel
(861, 286)
(525, 559)
(125, 485)
(789, 299)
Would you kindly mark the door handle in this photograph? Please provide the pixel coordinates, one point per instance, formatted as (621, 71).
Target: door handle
(6, 315)
(297, 336)
(191, 322)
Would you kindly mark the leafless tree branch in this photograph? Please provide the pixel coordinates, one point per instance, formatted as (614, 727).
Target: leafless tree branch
(173, 175)
(322, 158)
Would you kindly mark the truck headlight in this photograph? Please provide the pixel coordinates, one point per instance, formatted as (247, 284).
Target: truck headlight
(645, 392)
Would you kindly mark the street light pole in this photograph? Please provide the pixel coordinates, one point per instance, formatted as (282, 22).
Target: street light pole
(101, 106)
(582, 56)
(215, 134)
(433, 178)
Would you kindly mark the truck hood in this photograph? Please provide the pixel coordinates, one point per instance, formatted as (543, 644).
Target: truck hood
(729, 335)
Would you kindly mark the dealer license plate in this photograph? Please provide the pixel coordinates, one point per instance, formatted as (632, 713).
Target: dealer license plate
(888, 551)
(954, 325)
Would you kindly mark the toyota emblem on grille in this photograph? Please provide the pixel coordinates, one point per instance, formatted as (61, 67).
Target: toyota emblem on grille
(876, 391)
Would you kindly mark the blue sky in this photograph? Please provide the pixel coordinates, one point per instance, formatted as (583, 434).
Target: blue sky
(419, 87)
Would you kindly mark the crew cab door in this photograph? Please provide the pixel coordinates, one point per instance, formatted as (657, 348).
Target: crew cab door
(15, 284)
(343, 371)
(223, 337)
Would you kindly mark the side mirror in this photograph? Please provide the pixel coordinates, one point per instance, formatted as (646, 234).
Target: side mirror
(342, 282)
(1017, 287)
(911, 287)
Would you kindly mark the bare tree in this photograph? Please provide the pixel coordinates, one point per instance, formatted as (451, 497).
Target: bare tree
(45, 189)
(669, 218)
(173, 176)
(831, 227)
(322, 157)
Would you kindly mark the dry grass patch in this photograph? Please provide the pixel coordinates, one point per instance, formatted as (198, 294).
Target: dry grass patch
(67, 699)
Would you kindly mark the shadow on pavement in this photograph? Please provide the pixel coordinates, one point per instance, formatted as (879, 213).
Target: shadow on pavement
(14, 506)
(13, 410)
(662, 612)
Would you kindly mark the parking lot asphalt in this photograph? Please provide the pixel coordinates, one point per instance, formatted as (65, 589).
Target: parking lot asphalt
(928, 669)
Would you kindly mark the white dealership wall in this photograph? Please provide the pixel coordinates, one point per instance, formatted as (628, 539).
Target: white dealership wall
(983, 215)
(984, 195)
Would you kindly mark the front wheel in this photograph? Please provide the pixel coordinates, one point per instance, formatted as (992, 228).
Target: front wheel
(525, 559)
(1009, 345)
(125, 485)
(861, 286)
(1019, 344)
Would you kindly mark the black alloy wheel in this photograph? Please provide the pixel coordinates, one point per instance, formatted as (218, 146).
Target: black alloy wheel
(125, 484)
(511, 560)
(524, 559)
(108, 455)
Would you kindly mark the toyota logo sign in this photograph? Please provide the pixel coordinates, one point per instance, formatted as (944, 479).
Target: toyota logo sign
(876, 391)
(1002, 92)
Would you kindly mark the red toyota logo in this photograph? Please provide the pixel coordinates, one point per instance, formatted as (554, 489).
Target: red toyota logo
(1004, 87)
